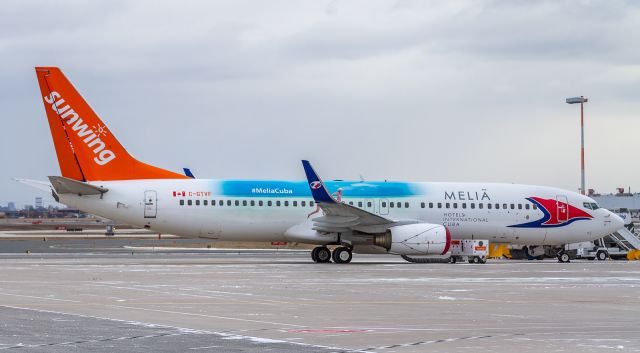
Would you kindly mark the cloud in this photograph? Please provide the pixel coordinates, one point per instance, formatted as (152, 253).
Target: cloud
(410, 90)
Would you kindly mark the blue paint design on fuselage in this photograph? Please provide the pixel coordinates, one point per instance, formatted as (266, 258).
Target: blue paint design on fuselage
(276, 188)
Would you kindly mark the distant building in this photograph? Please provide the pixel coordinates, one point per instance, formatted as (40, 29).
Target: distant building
(11, 207)
(611, 201)
(38, 203)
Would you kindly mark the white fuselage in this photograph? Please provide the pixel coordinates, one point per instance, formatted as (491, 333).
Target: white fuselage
(269, 210)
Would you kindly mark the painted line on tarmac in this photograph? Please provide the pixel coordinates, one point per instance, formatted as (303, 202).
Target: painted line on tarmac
(444, 340)
(205, 315)
(36, 297)
(183, 330)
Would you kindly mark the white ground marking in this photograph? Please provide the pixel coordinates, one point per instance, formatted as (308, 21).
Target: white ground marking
(205, 315)
(186, 330)
(36, 297)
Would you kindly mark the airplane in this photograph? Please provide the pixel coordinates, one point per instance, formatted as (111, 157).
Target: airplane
(100, 177)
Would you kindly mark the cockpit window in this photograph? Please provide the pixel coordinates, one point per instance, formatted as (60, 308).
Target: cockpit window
(591, 205)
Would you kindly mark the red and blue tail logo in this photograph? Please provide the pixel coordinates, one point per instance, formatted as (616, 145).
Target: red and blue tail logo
(556, 214)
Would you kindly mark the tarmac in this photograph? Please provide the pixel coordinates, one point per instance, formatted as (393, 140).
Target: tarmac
(103, 297)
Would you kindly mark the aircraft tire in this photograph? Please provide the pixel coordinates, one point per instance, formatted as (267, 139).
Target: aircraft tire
(342, 255)
(314, 254)
(323, 254)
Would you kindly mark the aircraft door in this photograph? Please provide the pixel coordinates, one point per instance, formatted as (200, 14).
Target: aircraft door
(562, 207)
(384, 206)
(150, 204)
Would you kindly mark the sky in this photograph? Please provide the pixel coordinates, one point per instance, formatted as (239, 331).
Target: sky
(398, 90)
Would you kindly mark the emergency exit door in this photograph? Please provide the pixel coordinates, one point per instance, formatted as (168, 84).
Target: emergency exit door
(562, 207)
(383, 206)
(150, 204)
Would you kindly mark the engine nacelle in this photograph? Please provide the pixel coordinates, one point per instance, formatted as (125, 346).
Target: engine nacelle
(415, 239)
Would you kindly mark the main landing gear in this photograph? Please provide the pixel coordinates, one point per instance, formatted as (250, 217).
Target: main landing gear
(340, 255)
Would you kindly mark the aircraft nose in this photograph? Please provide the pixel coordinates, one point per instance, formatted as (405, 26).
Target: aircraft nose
(616, 221)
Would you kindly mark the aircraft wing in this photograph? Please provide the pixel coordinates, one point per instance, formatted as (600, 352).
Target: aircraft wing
(339, 216)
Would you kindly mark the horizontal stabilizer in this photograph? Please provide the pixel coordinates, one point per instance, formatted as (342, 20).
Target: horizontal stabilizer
(64, 185)
(41, 185)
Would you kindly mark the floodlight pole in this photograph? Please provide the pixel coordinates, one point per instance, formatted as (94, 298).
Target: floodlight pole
(582, 100)
(582, 186)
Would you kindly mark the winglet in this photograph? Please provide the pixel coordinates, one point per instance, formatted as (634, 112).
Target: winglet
(317, 187)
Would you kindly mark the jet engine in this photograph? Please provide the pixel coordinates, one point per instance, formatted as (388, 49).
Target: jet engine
(415, 239)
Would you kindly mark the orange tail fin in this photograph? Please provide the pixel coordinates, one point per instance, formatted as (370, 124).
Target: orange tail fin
(86, 149)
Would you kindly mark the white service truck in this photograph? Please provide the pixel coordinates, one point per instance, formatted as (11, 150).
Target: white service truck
(472, 250)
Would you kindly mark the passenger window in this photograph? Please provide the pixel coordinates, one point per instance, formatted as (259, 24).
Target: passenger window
(480, 205)
(205, 203)
(197, 202)
(526, 206)
(513, 206)
(213, 202)
(497, 206)
(464, 205)
(269, 203)
(221, 203)
(455, 205)
(189, 202)
(244, 202)
(310, 203)
(260, 203)
(489, 206)
(439, 204)
(237, 202)
(278, 203)
(295, 203)
(384, 204)
(228, 202)
(359, 203)
(473, 205)
(286, 203)
(399, 204)
(430, 204)
(406, 205)
(303, 203)
(422, 204)
(504, 206)
(535, 207)
(253, 203)
(181, 202)
(519, 206)
(447, 205)
(351, 203)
